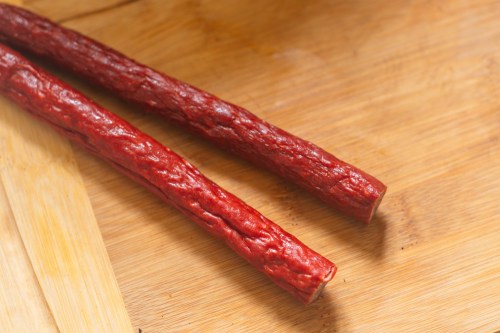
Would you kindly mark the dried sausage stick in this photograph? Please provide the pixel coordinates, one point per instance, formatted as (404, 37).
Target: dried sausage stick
(341, 185)
(283, 258)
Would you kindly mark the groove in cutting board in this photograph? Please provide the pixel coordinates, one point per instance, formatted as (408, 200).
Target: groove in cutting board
(55, 220)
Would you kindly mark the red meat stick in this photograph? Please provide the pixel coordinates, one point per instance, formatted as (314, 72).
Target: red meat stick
(343, 186)
(283, 258)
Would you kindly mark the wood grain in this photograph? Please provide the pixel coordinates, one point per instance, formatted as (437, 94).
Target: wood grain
(22, 304)
(408, 91)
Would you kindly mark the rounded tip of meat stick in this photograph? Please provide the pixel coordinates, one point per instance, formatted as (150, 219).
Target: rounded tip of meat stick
(328, 277)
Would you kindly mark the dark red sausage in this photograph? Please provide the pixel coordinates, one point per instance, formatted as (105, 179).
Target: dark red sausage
(270, 249)
(341, 185)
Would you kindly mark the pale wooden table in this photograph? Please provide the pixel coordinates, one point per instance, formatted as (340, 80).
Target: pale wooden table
(407, 90)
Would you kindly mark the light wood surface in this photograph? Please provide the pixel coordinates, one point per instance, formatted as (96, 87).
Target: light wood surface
(22, 305)
(406, 90)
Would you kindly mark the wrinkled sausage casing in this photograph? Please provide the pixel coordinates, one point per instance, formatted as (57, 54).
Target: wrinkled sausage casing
(343, 186)
(282, 257)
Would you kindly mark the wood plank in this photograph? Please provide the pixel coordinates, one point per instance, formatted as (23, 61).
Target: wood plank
(57, 225)
(22, 304)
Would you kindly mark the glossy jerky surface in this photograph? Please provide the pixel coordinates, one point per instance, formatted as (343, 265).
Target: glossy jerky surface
(282, 257)
(343, 186)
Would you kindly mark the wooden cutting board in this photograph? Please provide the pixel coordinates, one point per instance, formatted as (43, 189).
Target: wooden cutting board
(406, 90)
